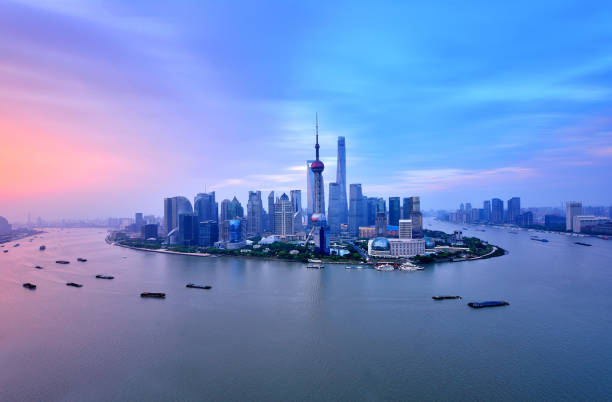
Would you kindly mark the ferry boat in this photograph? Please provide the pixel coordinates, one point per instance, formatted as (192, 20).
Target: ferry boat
(74, 285)
(6, 251)
(385, 267)
(194, 286)
(408, 266)
(105, 277)
(153, 295)
(488, 304)
(29, 285)
(445, 297)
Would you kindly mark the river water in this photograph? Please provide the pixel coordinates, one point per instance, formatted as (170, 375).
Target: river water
(271, 330)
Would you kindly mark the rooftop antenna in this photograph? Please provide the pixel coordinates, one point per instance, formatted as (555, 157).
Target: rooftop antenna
(317, 132)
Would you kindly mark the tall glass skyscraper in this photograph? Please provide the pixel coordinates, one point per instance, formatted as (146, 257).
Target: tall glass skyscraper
(334, 210)
(341, 180)
(357, 210)
(254, 214)
(173, 207)
(497, 211)
(394, 211)
(205, 207)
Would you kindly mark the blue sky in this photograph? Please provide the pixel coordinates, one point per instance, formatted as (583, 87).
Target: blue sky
(452, 101)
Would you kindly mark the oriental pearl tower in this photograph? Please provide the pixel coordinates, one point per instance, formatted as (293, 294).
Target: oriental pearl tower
(319, 222)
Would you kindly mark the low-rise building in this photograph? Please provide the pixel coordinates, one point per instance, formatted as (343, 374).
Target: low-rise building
(395, 248)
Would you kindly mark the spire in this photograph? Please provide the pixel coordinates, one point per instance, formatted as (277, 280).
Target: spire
(317, 131)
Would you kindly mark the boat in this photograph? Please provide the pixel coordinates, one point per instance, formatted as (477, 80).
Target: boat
(153, 295)
(74, 285)
(16, 245)
(82, 259)
(194, 286)
(582, 244)
(62, 262)
(29, 285)
(536, 238)
(6, 251)
(315, 265)
(105, 277)
(408, 266)
(385, 267)
(488, 304)
(43, 247)
(38, 267)
(445, 297)
(355, 267)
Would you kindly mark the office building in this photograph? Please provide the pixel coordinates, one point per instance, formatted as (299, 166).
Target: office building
(208, 233)
(572, 209)
(367, 232)
(205, 206)
(394, 211)
(381, 247)
(405, 229)
(514, 209)
(581, 222)
(188, 229)
(410, 205)
(486, 216)
(173, 207)
(497, 211)
(357, 209)
(334, 210)
(254, 214)
(271, 215)
(341, 180)
(283, 217)
(150, 231)
(296, 202)
(371, 210)
(381, 224)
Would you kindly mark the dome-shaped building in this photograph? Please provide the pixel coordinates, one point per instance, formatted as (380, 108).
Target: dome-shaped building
(379, 247)
(5, 227)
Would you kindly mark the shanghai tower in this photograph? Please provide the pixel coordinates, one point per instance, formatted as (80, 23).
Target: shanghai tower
(341, 180)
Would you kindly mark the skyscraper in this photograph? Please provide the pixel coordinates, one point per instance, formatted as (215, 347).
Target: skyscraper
(357, 209)
(283, 216)
(341, 180)
(394, 211)
(334, 210)
(487, 211)
(206, 207)
(173, 207)
(514, 209)
(224, 210)
(271, 217)
(371, 210)
(405, 229)
(235, 209)
(321, 230)
(497, 211)
(254, 214)
(296, 202)
(572, 209)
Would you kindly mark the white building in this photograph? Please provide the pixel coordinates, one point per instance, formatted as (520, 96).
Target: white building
(579, 222)
(572, 209)
(405, 229)
(395, 248)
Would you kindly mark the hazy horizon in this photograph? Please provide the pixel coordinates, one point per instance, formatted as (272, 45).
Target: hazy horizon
(107, 108)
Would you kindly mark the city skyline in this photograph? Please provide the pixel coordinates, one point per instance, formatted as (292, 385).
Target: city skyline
(128, 113)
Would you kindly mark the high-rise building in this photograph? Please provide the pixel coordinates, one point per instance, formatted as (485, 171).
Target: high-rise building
(149, 231)
(486, 217)
(357, 209)
(254, 214)
(296, 202)
(572, 209)
(173, 207)
(405, 229)
(410, 205)
(394, 211)
(341, 180)
(283, 216)
(334, 210)
(224, 210)
(189, 229)
(514, 209)
(139, 219)
(381, 224)
(206, 207)
(318, 219)
(234, 209)
(271, 215)
(371, 210)
(497, 211)
(208, 233)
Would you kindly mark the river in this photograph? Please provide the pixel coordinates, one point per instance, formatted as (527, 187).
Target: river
(273, 330)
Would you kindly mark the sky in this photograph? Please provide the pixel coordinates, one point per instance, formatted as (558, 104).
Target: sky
(107, 107)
